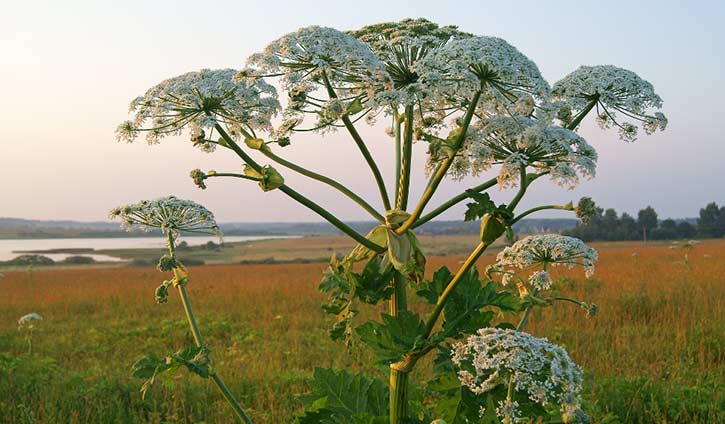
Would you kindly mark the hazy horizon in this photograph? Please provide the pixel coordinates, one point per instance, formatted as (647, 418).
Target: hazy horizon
(71, 68)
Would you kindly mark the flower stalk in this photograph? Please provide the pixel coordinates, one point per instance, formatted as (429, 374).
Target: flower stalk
(180, 278)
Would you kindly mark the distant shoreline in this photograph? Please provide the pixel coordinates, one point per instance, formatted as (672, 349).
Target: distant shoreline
(16, 229)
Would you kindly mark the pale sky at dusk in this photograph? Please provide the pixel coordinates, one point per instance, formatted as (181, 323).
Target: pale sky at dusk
(70, 68)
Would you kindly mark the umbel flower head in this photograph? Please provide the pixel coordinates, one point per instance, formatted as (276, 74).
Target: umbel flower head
(518, 141)
(326, 72)
(548, 249)
(614, 91)
(199, 100)
(403, 46)
(490, 64)
(169, 214)
(538, 370)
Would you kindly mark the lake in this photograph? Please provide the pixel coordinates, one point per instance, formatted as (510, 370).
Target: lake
(9, 249)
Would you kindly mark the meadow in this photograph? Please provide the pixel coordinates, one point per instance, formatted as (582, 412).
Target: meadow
(653, 354)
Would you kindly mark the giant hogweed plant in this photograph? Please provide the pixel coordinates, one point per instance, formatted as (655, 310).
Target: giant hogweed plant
(480, 107)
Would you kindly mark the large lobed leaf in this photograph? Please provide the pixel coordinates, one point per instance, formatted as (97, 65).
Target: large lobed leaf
(340, 397)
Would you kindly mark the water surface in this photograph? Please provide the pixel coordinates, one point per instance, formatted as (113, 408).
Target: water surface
(12, 248)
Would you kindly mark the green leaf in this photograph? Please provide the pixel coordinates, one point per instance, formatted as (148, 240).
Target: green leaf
(397, 335)
(378, 398)
(458, 405)
(369, 419)
(150, 367)
(334, 281)
(481, 205)
(195, 359)
(431, 290)
(346, 393)
(463, 312)
(373, 284)
(340, 397)
(322, 416)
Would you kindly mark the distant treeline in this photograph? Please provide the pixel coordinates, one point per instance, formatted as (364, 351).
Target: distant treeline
(609, 225)
(604, 225)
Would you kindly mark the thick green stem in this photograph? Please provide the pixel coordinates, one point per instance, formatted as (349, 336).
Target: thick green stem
(523, 184)
(581, 115)
(231, 174)
(361, 146)
(196, 333)
(190, 317)
(540, 208)
(564, 299)
(329, 181)
(405, 161)
(442, 168)
(230, 398)
(398, 300)
(398, 148)
(399, 371)
(369, 159)
(527, 313)
(441, 303)
(300, 198)
(398, 396)
(398, 378)
(452, 202)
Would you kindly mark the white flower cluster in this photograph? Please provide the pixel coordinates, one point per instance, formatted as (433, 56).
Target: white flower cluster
(614, 91)
(28, 319)
(537, 369)
(314, 60)
(387, 37)
(199, 100)
(518, 141)
(548, 249)
(170, 214)
(490, 64)
(403, 47)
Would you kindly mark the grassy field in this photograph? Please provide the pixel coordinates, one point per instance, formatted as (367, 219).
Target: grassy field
(654, 354)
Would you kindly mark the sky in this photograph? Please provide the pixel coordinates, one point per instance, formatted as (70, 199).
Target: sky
(69, 70)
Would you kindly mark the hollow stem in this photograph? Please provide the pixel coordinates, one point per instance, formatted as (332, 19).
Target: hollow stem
(398, 378)
(442, 168)
(361, 146)
(527, 313)
(441, 303)
(231, 174)
(452, 202)
(523, 185)
(332, 219)
(537, 209)
(398, 396)
(398, 147)
(581, 115)
(329, 181)
(398, 300)
(405, 161)
(196, 333)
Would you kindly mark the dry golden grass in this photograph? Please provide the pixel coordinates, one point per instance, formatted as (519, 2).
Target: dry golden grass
(660, 322)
